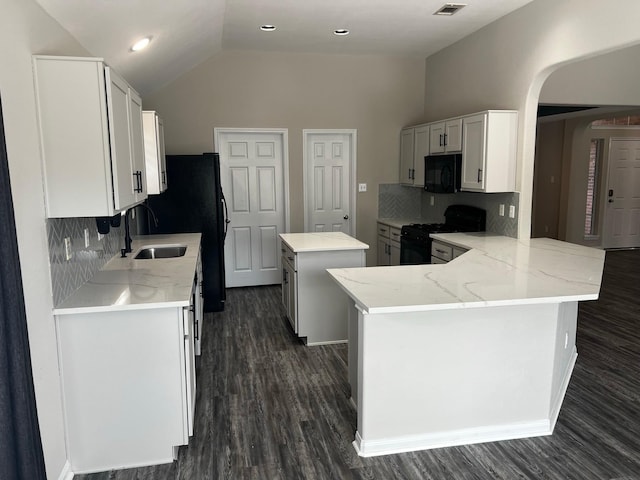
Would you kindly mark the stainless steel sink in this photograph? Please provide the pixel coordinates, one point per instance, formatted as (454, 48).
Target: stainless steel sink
(162, 251)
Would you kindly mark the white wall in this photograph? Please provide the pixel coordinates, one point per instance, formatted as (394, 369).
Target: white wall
(610, 79)
(505, 64)
(377, 95)
(24, 30)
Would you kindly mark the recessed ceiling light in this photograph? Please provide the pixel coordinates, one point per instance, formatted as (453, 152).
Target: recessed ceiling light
(140, 44)
(450, 8)
(341, 31)
(267, 28)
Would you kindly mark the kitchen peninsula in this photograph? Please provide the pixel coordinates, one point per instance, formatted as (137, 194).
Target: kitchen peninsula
(479, 349)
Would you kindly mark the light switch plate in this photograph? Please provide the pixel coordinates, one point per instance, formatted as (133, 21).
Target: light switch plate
(512, 211)
(432, 200)
(501, 211)
(362, 187)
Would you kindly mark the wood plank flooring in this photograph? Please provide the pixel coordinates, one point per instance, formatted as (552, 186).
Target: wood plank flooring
(270, 408)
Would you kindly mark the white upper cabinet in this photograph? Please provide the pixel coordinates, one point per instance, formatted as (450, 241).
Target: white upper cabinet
(489, 151)
(414, 146)
(406, 155)
(446, 137)
(137, 146)
(156, 163)
(90, 125)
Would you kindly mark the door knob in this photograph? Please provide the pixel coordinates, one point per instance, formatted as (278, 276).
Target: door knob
(346, 217)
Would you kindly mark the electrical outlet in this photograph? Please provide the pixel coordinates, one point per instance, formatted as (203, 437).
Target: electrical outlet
(501, 211)
(432, 201)
(67, 248)
(87, 239)
(362, 187)
(512, 211)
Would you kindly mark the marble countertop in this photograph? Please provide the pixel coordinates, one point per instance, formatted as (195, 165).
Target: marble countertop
(126, 283)
(400, 222)
(496, 271)
(321, 241)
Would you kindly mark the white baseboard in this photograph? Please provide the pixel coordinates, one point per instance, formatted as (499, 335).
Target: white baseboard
(411, 443)
(66, 473)
(556, 403)
(330, 342)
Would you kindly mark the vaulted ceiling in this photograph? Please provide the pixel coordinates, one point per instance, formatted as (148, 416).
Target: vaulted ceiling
(187, 32)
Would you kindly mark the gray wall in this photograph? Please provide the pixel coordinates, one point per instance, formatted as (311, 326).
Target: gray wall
(25, 29)
(375, 95)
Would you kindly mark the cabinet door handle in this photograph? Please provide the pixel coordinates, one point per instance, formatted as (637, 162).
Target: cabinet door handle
(479, 175)
(445, 139)
(440, 251)
(195, 330)
(138, 187)
(164, 178)
(290, 258)
(409, 174)
(441, 144)
(202, 289)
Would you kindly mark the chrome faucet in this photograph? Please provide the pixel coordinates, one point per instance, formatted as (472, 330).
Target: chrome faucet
(127, 230)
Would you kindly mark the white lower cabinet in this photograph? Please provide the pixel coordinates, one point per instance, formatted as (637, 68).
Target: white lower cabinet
(388, 245)
(442, 252)
(290, 287)
(198, 305)
(129, 384)
(315, 306)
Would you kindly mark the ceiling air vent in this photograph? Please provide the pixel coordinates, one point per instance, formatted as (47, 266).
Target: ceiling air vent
(450, 8)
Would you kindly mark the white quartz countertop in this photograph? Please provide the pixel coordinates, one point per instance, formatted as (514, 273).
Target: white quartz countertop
(496, 271)
(400, 222)
(321, 241)
(125, 283)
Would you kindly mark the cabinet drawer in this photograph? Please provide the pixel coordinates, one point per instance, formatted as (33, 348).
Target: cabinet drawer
(442, 251)
(289, 255)
(394, 234)
(457, 251)
(436, 260)
(384, 230)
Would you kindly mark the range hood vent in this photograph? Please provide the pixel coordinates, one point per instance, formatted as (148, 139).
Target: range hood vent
(450, 8)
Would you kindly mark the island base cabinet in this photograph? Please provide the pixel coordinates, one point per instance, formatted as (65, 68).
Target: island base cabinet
(128, 381)
(321, 304)
(453, 377)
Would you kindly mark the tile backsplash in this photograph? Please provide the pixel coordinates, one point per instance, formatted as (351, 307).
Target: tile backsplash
(399, 201)
(68, 275)
(403, 201)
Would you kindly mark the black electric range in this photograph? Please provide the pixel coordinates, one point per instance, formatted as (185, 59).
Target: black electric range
(415, 242)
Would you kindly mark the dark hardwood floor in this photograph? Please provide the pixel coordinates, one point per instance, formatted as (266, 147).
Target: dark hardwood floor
(270, 408)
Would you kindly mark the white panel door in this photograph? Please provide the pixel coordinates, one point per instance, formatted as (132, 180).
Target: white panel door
(622, 211)
(328, 183)
(252, 175)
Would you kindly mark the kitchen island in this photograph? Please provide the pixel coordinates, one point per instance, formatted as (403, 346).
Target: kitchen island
(126, 348)
(313, 303)
(479, 349)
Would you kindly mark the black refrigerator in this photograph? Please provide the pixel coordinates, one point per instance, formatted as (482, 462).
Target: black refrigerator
(194, 202)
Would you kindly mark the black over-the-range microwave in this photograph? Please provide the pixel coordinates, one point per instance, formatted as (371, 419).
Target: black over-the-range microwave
(443, 173)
